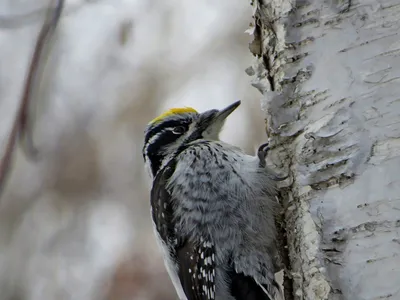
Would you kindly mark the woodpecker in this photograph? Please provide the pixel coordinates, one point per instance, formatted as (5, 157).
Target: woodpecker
(213, 208)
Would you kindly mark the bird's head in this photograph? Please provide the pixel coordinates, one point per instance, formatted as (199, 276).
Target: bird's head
(168, 134)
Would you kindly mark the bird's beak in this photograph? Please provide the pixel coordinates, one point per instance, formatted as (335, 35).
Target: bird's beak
(217, 120)
(224, 113)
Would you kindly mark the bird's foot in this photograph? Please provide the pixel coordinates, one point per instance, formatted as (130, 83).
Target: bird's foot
(262, 154)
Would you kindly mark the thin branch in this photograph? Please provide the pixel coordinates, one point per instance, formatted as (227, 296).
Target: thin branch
(26, 19)
(20, 125)
(43, 40)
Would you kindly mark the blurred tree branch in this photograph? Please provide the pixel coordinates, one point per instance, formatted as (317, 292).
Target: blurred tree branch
(20, 20)
(22, 123)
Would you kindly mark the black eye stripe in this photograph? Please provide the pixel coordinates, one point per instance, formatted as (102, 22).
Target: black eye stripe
(160, 126)
(179, 130)
(162, 134)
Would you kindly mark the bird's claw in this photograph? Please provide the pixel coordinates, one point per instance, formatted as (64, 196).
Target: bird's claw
(262, 154)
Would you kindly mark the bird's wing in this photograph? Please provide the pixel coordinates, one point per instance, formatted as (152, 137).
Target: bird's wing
(161, 207)
(195, 261)
(197, 270)
(162, 214)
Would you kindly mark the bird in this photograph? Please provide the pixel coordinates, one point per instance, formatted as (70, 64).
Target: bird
(213, 208)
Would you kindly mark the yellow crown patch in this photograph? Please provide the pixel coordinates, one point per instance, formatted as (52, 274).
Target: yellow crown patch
(173, 111)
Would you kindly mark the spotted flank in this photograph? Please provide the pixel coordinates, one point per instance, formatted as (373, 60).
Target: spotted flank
(197, 271)
(173, 111)
(205, 270)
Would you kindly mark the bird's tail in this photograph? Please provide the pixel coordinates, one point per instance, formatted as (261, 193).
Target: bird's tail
(274, 291)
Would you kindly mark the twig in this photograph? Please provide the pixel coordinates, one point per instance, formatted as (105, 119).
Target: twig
(16, 21)
(20, 125)
(48, 28)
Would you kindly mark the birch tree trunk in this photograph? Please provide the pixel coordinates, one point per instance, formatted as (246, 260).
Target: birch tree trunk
(329, 75)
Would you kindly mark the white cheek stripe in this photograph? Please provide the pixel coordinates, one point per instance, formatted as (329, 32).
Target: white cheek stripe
(155, 137)
(151, 141)
(146, 149)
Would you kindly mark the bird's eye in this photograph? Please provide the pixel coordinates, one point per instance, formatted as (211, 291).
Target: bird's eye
(178, 130)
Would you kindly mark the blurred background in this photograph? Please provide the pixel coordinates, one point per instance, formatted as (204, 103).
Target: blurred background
(75, 224)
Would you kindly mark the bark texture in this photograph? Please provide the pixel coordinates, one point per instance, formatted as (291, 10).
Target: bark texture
(329, 74)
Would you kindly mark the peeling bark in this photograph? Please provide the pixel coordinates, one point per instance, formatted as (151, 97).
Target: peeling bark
(328, 72)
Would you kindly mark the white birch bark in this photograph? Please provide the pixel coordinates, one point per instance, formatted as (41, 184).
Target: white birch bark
(329, 74)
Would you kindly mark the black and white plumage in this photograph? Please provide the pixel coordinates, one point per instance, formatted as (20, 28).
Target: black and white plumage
(212, 208)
